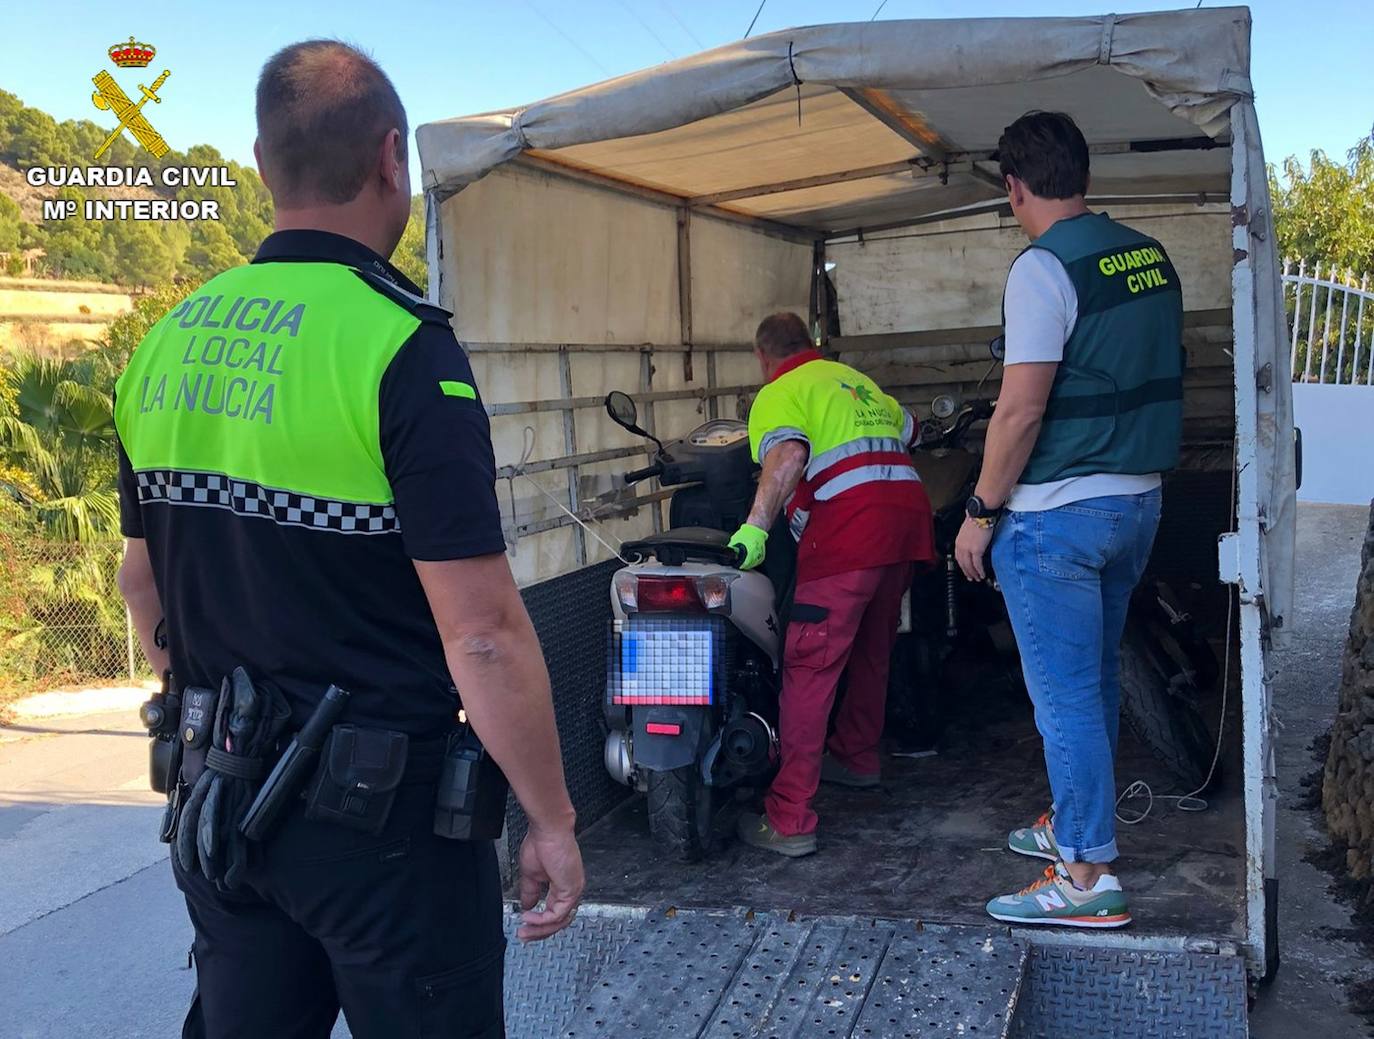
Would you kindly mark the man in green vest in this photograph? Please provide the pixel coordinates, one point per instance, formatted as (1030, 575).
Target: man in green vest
(1088, 417)
(307, 492)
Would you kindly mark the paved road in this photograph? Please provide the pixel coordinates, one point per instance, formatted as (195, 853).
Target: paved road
(93, 937)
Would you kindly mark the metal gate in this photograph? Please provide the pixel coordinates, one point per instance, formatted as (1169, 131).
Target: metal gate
(1332, 328)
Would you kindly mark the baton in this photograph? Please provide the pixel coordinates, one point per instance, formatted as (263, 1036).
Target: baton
(293, 768)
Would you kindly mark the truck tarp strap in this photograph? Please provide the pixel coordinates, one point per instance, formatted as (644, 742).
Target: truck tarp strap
(1097, 405)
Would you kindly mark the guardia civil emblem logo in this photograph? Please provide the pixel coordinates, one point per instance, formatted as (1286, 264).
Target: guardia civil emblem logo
(109, 96)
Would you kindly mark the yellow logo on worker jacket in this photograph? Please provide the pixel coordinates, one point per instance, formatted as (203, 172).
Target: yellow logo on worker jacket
(110, 96)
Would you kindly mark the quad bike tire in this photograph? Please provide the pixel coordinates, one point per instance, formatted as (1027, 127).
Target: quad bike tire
(1165, 721)
(681, 812)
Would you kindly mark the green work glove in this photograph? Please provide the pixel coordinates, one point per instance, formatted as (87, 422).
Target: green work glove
(754, 541)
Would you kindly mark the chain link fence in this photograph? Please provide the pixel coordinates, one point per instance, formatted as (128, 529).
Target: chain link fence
(62, 619)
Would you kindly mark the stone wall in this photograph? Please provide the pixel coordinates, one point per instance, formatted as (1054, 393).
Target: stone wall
(1348, 783)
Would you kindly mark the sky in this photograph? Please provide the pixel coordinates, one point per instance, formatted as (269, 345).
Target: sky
(1312, 64)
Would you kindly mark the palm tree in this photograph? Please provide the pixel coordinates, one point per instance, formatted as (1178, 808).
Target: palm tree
(57, 455)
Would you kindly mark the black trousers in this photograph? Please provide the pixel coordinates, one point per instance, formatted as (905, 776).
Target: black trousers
(402, 930)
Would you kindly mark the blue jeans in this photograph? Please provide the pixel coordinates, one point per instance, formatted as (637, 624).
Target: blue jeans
(1067, 575)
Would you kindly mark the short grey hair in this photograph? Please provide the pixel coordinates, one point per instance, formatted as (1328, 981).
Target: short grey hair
(322, 108)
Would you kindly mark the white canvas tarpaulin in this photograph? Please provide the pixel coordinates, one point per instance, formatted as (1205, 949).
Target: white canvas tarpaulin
(879, 92)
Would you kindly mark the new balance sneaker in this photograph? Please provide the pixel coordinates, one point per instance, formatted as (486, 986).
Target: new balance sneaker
(833, 772)
(1036, 840)
(755, 830)
(1054, 900)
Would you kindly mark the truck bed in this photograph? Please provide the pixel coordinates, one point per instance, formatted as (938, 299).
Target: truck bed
(929, 844)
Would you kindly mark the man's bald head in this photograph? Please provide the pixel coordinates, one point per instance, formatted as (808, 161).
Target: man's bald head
(323, 110)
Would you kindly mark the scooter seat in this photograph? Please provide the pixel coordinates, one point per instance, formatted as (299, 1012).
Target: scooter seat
(706, 537)
(680, 544)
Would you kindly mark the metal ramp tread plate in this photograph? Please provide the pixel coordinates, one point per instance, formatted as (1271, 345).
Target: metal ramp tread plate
(702, 975)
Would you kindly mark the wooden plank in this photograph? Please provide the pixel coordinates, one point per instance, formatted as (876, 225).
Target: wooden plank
(684, 287)
(529, 407)
(907, 125)
(561, 167)
(885, 169)
(976, 334)
(553, 348)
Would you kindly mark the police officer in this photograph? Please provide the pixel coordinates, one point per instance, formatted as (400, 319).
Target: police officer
(306, 487)
(833, 447)
(1089, 416)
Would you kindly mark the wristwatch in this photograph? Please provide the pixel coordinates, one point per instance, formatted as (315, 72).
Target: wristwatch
(981, 513)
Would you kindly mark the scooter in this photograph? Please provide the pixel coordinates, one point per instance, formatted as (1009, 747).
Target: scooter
(695, 643)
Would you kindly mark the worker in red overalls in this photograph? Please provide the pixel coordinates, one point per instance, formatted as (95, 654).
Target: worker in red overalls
(835, 452)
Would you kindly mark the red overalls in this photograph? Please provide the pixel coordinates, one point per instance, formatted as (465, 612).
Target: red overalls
(867, 520)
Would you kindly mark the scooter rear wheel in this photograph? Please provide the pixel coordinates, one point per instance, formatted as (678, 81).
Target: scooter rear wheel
(681, 812)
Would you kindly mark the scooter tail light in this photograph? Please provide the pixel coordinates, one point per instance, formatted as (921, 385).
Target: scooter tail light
(669, 595)
(714, 592)
(627, 591)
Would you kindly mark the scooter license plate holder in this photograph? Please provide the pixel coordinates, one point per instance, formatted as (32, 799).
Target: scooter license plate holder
(668, 737)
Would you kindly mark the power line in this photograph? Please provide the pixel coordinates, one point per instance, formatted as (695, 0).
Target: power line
(753, 21)
(648, 28)
(879, 11)
(570, 41)
(683, 25)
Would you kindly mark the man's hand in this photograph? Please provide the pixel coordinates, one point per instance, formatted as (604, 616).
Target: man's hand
(970, 547)
(550, 868)
(754, 541)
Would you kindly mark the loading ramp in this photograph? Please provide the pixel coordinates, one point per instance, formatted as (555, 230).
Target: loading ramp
(626, 973)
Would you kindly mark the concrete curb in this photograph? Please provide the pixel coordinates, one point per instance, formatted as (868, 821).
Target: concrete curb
(74, 702)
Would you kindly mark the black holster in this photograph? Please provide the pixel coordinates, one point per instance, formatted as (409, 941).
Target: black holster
(471, 801)
(357, 778)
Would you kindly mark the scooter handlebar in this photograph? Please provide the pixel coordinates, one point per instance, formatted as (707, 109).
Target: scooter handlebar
(635, 475)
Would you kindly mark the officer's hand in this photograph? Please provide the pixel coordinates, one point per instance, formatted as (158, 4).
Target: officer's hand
(970, 547)
(752, 541)
(551, 868)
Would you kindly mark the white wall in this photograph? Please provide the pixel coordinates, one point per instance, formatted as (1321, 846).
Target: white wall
(1337, 424)
(532, 258)
(951, 275)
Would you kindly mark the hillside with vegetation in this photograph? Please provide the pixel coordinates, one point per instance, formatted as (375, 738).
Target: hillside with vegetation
(61, 618)
(136, 254)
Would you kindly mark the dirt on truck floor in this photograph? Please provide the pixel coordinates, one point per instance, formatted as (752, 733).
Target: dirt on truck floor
(930, 842)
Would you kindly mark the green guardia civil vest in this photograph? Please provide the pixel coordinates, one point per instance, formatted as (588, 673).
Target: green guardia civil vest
(260, 393)
(1117, 401)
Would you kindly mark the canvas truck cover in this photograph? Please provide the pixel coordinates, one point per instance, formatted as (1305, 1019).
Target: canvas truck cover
(832, 129)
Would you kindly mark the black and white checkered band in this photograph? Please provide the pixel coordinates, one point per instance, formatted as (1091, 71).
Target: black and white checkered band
(245, 498)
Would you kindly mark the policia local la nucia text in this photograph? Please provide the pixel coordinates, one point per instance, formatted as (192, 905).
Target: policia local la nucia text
(232, 371)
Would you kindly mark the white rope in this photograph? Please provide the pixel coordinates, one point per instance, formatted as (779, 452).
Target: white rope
(1190, 802)
(519, 471)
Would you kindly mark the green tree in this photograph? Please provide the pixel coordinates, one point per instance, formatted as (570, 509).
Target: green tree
(32, 139)
(127, 331)
(409, 257)
(1325, 212)
(143, 252)
(11, 224)
(211, 250)
(75, 247)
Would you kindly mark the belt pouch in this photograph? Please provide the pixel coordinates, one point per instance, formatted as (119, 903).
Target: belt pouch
(197, 723)
(471, 802)
(357, 778)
